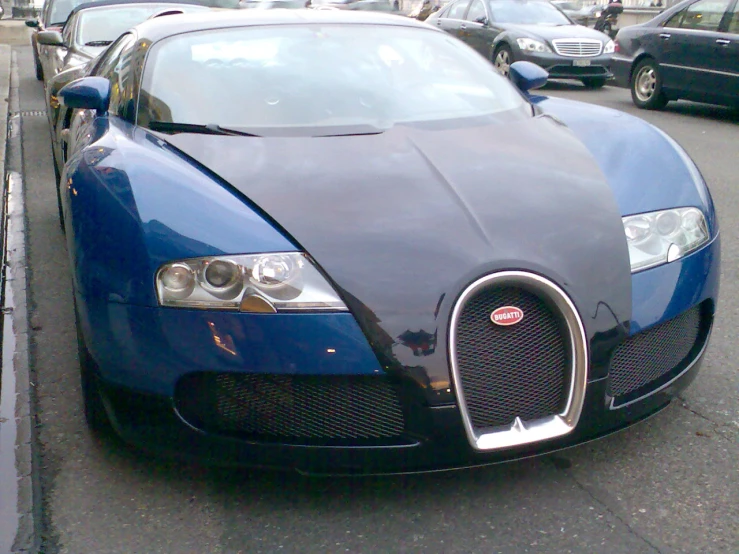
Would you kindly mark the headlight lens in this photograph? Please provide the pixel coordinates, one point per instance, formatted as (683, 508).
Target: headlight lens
(665, 236)
(597, 14)
(270, 282)
(532, 45)
(609, 48)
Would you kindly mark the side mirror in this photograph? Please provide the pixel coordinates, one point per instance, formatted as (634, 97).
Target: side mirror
(32, 23)
(527, 76)
(88, 93)
(50, 38)
(482, 20)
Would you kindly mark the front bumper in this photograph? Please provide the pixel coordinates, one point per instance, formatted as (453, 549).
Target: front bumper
(561, 67)
(150, 423)
(144, 353)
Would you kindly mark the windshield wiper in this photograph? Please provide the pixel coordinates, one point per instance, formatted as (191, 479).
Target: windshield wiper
(209, 129)
(99, 43)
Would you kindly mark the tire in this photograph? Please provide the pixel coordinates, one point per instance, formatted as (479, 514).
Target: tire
(58, 177)
(646, 86)
(502, 59)
(59, 206)
(594, 82)
(95, 414)
(39, 69)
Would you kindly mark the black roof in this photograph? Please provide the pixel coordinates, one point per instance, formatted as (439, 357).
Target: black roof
(119, 2)
(162, 27)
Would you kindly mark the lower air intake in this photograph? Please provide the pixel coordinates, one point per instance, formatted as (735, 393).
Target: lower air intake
(651, 354)
(291, 407)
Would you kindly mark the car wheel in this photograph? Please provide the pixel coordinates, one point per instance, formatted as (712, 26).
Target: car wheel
(646, 86)
(594, 82)
(502, 59)
(95, 415)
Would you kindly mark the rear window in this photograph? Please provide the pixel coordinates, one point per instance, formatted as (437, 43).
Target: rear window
(61, 9)
(105, 24)
(317, 76)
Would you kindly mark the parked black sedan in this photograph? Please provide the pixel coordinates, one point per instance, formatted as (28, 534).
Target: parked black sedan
(505, 31)
(690, 51)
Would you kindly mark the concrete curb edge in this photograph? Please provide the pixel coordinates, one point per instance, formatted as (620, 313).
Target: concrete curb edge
(27, 538)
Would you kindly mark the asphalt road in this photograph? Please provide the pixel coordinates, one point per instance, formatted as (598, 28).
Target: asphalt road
(669, 485)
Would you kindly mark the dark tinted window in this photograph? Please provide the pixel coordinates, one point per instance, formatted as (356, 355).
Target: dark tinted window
(704, 15)
(675, 20)
(456, 11)
(734, 21)
(477, 11)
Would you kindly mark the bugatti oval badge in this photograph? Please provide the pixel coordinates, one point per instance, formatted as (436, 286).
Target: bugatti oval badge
(506, 315)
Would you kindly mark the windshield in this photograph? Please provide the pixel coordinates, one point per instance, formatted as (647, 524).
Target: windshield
(105, 24)
(319, 76)
(61, 9)
(527, 13)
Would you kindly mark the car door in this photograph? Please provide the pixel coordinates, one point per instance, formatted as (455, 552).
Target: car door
(453, 17)
(476, 29)
(727, 54)
(687, 41)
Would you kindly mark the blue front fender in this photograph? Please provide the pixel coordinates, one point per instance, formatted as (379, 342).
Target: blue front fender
(131, 204)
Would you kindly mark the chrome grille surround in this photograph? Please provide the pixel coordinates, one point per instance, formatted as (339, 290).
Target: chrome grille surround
(578, 47)
(526, 432)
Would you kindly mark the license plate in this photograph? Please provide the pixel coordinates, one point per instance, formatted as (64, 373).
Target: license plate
(581, 63)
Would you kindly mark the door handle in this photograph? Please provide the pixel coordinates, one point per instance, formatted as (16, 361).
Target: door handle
(664, 36)
(723, 41)
(463, 27)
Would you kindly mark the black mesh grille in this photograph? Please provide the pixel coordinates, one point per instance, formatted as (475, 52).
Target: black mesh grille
(291, 407)
(514, 371)
(647, 356)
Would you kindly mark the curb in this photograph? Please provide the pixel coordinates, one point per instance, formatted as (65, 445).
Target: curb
(15, 371)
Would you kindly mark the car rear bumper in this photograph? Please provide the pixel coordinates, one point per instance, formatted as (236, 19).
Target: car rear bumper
(621, 68)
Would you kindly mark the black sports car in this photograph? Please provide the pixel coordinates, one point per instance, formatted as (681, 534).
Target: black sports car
(340, 241)
(506, 31)
(690, 51)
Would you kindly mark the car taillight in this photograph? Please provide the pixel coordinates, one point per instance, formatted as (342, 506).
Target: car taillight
(616, 46)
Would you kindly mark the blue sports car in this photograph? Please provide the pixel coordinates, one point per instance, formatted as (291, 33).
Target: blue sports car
(342, 242)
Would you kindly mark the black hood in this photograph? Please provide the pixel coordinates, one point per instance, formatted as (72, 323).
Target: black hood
(404, 220)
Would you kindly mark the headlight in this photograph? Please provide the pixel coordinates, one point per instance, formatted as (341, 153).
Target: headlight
(597, 14)
(251, 283)
(665, 236)
(609, 47)
(532, 45)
